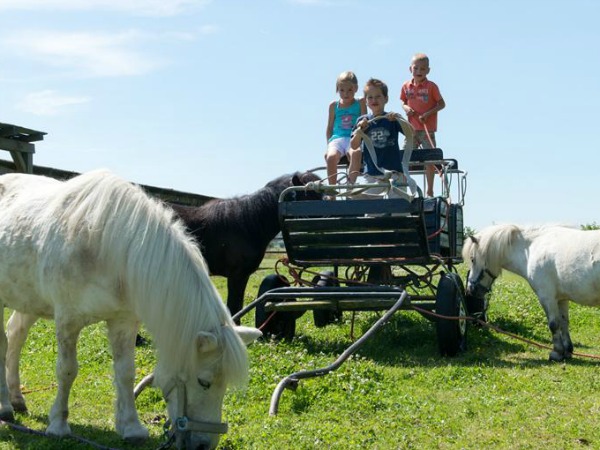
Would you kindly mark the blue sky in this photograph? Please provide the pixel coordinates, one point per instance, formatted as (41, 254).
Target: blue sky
(219, 97)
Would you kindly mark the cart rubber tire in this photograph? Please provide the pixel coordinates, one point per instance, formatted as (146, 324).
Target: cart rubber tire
(450, 301)
(324, 317)
(282, 325)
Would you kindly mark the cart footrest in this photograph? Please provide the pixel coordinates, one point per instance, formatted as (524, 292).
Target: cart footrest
(333, 305)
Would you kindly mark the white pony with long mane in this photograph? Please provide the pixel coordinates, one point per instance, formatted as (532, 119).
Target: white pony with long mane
(97, 248)
(560, 263)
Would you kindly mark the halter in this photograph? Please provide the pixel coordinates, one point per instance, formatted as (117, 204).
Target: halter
(480, 287)
(183, 426)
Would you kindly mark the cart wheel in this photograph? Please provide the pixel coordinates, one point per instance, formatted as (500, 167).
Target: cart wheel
(477, 306)
(280, 325)
(324, 317)
(450, 301)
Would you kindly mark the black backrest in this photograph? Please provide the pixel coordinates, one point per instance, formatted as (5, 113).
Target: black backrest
(354, 231)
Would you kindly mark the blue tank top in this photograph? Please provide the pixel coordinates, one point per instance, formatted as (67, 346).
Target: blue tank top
(344, 120)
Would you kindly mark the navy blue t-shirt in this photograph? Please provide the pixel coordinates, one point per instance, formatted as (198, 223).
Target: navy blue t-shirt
(384, 135)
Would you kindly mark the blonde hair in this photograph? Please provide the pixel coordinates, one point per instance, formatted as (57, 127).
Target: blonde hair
(420, 57)
(345, 77)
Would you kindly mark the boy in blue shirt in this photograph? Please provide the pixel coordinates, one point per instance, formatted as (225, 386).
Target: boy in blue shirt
(383, 134)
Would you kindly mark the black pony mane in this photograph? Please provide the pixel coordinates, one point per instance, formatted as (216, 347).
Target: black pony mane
(233, 233)
(252, 214)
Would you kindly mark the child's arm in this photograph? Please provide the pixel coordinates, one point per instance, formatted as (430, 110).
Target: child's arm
(331, 118)
(356, 139)
(441, 104)
(404, 99)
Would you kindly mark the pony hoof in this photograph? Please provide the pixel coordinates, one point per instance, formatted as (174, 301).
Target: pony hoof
(60, 430)
(555, 356)
(20, 408)
(19, 405)
(136, 435)
(7, 416)
(136, 440)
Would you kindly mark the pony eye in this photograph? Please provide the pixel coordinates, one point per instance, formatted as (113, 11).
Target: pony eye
(204, 384)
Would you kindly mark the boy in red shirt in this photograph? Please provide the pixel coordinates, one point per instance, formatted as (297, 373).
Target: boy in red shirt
(421, 101)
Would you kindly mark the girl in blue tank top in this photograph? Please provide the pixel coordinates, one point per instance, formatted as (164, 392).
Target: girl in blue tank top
(342, 118)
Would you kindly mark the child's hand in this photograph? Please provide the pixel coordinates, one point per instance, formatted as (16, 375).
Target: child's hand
(408, 110)
(363, 124)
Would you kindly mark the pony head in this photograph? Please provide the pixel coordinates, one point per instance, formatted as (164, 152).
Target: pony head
(485, 253)
(194, 394)
(306, 179)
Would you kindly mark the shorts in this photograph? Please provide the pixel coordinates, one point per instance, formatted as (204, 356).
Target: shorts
(420, 140)
(340, 145)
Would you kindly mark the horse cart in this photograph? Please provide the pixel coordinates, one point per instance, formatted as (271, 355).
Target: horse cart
(357, 251)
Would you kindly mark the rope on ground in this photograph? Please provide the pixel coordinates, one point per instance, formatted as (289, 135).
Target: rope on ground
(498, 330)
(27, 430)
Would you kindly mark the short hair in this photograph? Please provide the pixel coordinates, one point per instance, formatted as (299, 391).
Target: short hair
(375, 83)
(345, 77)
(420, 57)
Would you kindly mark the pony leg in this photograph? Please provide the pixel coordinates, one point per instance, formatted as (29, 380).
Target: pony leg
(6, 409)
(121, 334)
(556, 326)
(563, 307)
(67, 333)
(236, 287)
(17, 329)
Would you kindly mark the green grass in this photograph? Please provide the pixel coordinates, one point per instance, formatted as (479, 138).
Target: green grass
(396, 393)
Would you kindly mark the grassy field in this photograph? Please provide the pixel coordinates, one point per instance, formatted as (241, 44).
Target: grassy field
(397, 393)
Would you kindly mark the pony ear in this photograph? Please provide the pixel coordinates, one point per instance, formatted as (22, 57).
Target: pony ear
(296, 181)
(248, 334)
(474, 239)
(206, 341)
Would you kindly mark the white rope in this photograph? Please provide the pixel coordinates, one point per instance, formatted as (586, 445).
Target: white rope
(408, 131)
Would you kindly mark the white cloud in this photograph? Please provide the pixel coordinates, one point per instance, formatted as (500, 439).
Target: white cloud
(208, 29)
(136, 7)
(48, 103)
(85, 53)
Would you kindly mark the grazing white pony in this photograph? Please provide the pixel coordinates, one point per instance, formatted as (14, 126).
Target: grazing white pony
(97, 248)
(561, 264)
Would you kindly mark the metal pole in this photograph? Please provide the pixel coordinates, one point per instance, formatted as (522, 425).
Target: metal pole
(291, 381)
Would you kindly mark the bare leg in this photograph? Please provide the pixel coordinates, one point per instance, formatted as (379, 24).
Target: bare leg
(121, 334)
(6, 409)
(67, 333)
(332, 159)
(430, 178)
(17, 329)
(355, 158)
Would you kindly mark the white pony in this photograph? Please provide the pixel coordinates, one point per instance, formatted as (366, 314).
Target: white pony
(560, 264)
(97, 248)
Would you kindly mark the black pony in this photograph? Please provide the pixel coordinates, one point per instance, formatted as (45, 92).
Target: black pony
(234, 233)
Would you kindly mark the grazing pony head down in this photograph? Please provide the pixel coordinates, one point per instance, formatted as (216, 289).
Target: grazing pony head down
(485, 253)
(98, 248)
